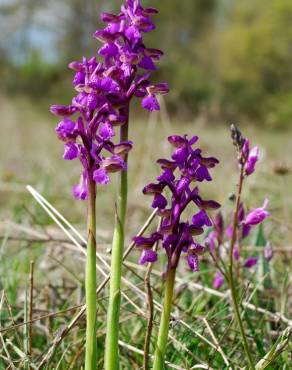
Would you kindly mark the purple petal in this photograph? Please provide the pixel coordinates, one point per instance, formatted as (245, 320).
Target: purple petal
(101, 177)
(167, 176)
(201, 219)
(106, 131)
(159, 201)
(252, 160)
(218, 280)
(257, 215)
(193, 262)
(71, 151)
(150, 103)
(110, 49)
(80, 190)
(202, 174)
(250, 262)
(148, 255)
(147, 63)
(180, 155)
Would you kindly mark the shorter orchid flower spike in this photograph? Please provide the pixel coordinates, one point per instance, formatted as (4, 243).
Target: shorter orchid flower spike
(179, 178)
(257, 215)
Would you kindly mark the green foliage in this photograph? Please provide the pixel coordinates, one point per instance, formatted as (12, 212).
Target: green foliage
(255, 60)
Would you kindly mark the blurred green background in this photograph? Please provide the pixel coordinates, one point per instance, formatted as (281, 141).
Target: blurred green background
(226, 61)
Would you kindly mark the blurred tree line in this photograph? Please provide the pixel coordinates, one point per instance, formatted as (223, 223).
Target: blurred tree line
(224, 59)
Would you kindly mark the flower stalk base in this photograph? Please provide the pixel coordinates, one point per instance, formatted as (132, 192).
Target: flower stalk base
(90, 283)
(164, 323)
(112, 334)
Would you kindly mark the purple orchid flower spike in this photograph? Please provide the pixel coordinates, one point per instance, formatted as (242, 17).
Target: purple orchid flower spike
(186, 168)
(105, 85)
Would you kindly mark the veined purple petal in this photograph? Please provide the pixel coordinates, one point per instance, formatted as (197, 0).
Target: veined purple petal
(150, 103)
(148, 255)
(71, 151)
(106, 131)
(159, 201)
(65, 129)
(101, 177)
(80, 190)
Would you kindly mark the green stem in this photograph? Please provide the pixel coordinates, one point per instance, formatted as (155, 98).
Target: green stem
(239, 321)
(112, 330)
(164, 323)
(231, 281)
(90, 282)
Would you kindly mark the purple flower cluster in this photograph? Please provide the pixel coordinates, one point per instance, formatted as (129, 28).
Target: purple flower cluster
(245, 222)
(105, 86)
(186, 167)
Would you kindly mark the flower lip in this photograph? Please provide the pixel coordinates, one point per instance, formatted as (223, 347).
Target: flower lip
(148, 255)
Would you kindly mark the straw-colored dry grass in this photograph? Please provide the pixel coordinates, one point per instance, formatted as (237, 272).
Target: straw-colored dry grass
(203, 332)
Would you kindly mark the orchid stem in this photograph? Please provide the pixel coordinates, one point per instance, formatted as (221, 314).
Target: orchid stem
(231, 281)
(164, 323)
(112, 330)
(90, 282)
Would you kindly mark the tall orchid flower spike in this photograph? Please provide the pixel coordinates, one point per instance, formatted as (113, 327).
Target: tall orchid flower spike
(180, 176)
(105, 85)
